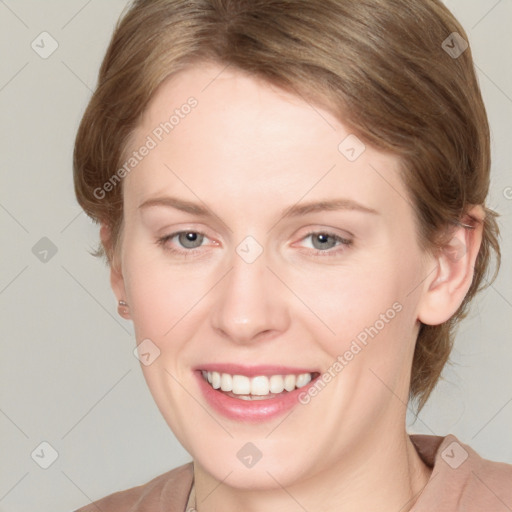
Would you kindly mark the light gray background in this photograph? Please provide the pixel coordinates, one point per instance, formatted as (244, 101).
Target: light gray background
(69, 376)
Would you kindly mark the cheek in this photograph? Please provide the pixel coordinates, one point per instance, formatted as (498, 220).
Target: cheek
(346, 301)
(162, 295)
(364, 316)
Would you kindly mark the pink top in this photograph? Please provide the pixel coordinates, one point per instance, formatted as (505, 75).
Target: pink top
(461, 481)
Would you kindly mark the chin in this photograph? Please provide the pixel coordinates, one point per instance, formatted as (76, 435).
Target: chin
(274, 473)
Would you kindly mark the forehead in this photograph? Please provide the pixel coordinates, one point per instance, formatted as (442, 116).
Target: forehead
(252, 110)
(247, 140)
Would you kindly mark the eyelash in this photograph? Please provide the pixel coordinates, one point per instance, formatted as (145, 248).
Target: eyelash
(188, 253)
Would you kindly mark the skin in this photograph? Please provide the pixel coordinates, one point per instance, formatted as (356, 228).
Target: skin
(248, 151)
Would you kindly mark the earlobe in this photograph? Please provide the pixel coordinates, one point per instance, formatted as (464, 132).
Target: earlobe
(448, 284)
(116, 273)
(117, 284)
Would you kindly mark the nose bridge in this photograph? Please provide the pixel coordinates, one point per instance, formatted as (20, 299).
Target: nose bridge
(248, 301)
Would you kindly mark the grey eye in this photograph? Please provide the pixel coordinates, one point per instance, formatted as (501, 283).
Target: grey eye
(190, 239)
(321, 241)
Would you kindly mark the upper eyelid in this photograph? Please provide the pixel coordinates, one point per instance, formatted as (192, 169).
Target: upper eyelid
(347, 236)
(172, 233)
(310, 230)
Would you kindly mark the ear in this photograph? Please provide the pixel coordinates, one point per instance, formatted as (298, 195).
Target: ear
(445, 289)
(116, 274)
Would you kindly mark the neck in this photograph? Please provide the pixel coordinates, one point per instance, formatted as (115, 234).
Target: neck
(384, 476)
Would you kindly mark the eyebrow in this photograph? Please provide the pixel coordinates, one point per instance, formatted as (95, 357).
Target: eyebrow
(292, 211)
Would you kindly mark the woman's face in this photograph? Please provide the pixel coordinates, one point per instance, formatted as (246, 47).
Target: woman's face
(301, 257)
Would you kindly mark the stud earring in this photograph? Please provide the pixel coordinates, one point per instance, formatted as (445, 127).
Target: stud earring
(122, 308)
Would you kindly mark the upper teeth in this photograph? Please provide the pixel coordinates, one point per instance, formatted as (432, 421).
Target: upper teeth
(260, 385)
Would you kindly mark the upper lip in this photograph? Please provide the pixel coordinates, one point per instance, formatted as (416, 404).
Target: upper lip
(253, 371)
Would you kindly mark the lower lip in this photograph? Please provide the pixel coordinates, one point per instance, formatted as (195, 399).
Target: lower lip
(250, 410)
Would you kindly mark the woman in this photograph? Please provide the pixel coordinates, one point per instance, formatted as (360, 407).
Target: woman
(292, 198)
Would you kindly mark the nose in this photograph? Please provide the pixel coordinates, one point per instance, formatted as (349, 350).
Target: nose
(251, 303)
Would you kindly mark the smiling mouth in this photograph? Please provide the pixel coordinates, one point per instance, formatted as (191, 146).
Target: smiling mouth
(261, 387)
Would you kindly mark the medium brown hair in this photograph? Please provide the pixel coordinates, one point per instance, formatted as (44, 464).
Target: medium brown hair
(382, 67)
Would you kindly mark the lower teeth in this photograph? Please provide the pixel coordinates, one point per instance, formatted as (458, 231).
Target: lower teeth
(250, 397)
